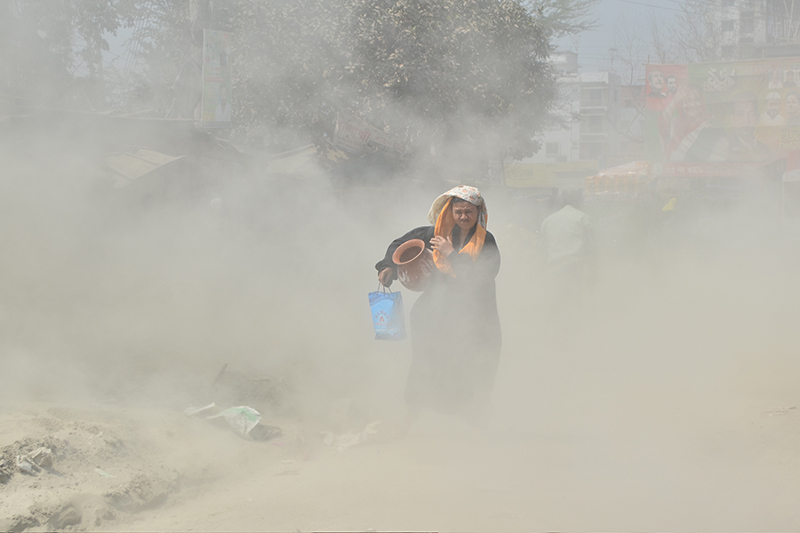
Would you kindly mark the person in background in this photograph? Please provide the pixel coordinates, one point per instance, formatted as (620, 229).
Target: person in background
(657, 89)
(656, 98)
(792, 108)
(567, 247)
(455, 327)
(775, 81)
(772, 114)
(788, 79)
(743, 145)
(672, 84)
(686, 131)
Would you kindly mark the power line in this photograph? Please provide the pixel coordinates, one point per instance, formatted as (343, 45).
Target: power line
(653, 6)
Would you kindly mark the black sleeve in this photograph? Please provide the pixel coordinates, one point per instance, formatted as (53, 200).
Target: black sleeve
(485, 267)
(424, 232)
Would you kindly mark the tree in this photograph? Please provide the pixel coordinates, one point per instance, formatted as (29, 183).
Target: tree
(52, 49)
(640, 40)
(700, 37)
(471, 75)
(697, 33)
(170, 44)
(436, 73)
(563, 17)
(439, 74)
(783, 16)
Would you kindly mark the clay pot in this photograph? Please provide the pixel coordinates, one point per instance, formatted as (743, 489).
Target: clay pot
(414, 264)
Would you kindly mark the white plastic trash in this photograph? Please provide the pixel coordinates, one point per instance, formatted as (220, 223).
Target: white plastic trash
(242, 419)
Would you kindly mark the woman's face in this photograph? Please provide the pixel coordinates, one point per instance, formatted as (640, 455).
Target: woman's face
(792, 105)
(465, 215)
(692, 105)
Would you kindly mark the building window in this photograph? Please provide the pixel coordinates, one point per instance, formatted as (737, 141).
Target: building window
(591, 150)
(747, 23)
(592, 124)
(593, 97)
(727, 25)
(551, 149)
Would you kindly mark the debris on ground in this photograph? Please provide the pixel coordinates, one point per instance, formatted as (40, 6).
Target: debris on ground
(347, 440)
(242, 418)
(42, 457)
(29, 457)
(55, 481)
(245, 421)
(779, 411)
(263, 432)
(5, 475)
(26, 466)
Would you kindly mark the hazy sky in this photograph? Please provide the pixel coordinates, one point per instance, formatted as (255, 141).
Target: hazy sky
(593, 47)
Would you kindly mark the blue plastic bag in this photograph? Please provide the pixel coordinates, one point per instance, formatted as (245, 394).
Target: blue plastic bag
(387, 315)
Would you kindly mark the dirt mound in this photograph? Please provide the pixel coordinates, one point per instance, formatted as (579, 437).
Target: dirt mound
(79, 469)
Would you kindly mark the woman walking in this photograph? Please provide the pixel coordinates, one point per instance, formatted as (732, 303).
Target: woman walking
(455, 328)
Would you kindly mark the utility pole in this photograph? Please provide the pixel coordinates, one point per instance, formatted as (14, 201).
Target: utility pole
(188, 86)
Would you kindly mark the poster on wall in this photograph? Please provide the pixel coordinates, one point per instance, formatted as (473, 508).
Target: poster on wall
(216, 79)
(723, 118)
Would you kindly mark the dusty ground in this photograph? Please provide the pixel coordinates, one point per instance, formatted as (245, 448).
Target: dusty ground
(643, 419)
(664, 401)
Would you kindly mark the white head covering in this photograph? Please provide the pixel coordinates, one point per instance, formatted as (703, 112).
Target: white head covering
(465, 192)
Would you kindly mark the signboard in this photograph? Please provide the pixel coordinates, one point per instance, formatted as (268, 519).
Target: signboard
(216, 107)
(727, 118)
(357, 136)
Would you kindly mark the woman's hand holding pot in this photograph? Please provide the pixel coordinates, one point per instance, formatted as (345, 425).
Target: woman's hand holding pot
(442, 245)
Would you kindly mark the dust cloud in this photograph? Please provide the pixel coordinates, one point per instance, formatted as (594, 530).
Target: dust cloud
(662, 397)
(643, 402)
(108, 301)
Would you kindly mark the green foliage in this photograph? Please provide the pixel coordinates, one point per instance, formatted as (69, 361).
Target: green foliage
(45, 43)
(452, 72)
(439, 74)
(563, 17)
(163, 36)
(436, 73)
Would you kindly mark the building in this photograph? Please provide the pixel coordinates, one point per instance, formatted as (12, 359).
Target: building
(631, 122)
(589, 136)
(599, 116)
(754, 29)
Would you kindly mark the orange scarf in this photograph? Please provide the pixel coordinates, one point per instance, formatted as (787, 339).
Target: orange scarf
(444, 228)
